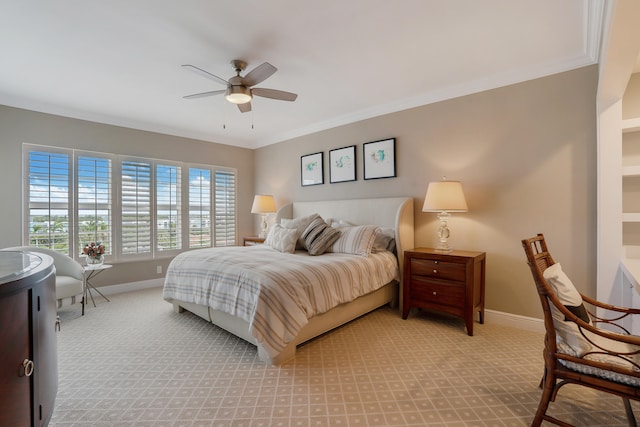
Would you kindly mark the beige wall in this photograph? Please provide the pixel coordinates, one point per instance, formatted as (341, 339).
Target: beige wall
(19, 126)
(526, 156)
(631, 99)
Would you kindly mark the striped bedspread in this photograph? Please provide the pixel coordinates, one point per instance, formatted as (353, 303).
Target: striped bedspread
(276, 293)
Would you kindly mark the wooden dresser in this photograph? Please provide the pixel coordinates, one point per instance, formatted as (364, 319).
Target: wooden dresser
(451, 282)
(28, 341)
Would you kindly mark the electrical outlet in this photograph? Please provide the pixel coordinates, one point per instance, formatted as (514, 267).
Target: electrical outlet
(159, 269)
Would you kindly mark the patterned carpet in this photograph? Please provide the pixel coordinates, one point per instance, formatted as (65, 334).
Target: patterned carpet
(134, 362)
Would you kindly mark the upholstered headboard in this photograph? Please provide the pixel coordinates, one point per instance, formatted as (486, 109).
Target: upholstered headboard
(394, 212)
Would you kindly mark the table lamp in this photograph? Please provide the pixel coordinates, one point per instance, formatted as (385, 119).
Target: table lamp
(444, 197)
(264, 205)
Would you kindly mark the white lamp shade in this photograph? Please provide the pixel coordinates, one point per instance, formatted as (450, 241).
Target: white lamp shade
(445, 196)
(263, 204)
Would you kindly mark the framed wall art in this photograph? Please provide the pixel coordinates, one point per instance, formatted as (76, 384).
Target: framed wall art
(311, 169)
(342, 164)
(379, 159)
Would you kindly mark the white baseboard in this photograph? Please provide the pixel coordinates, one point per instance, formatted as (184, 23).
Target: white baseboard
(132, 286)
(490, 316)
(514, 320)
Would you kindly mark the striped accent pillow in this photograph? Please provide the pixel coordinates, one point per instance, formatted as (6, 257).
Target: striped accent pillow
(319, 236)
(356, 240)
(300, 224)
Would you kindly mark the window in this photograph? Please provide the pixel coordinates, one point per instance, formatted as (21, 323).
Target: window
(136, 207)
(94, 201)
(49, 200)
(199, 208)
(225, 197)
(168, 207)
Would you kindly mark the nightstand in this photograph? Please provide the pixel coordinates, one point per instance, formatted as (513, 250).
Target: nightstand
(252, 241)
(451, 282)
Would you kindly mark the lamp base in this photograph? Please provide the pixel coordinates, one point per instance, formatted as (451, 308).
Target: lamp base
(264, 227)
(444, 233)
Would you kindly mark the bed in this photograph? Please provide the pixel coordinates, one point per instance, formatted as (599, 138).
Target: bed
(194, 279)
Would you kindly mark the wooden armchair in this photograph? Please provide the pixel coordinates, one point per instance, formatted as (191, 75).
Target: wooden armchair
(576, 350)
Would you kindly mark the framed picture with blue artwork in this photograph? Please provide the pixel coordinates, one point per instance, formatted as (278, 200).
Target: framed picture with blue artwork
(311, 169)
(379, 159)
(342, 164)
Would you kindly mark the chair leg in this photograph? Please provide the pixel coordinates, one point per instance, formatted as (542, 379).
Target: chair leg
(547, 391)
(630, 417)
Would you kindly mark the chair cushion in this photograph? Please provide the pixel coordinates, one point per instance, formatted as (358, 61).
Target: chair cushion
(620, 361)
(67, 287)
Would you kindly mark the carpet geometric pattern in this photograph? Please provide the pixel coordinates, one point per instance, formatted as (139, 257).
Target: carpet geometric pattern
(134, 362)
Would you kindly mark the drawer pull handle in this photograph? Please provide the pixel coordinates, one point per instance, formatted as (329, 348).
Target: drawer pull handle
(28, 367)
(435, 262)
(435, 271)
(435, 293)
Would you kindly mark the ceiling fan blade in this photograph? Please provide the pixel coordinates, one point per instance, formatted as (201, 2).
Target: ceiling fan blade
(203, 94)
(206, 74)
(244, 108)
(274, 94)
(259, 74)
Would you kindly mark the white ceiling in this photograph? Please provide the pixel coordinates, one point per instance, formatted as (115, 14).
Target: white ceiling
(119, 61)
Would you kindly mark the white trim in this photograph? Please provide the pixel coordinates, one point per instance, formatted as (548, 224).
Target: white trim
(490, 316)
(514, 320)
(132, 286)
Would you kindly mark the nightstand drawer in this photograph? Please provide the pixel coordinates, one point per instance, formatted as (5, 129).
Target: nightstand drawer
(451, 282)
(438, 269)
(438, 293)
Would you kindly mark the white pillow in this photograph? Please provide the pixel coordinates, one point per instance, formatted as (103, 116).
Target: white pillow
(282, 239)
(356, 240)
(300, 224)
(570, 297)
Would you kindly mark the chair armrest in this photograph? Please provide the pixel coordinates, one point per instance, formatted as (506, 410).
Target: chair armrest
(606, 306)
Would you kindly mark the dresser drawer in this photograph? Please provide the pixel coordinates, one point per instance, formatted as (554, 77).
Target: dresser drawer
(438, 269)
(425, 290)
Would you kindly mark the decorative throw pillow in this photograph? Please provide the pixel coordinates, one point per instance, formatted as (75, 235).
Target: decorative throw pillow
(356, 240)
(282, 239)
(566, 292)
(319, 236)
(300, 224)
(570, 298)
(384, 241)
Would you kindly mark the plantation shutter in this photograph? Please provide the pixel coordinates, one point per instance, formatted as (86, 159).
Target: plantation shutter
(49, 201)
(168, 207)
(199, 208)
(94, 207)
(136, 207)
(225, 208)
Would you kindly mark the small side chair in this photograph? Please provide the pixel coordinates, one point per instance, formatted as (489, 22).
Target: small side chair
(576, 350)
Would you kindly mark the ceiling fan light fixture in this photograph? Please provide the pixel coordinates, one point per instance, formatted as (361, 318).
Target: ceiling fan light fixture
(238, 94)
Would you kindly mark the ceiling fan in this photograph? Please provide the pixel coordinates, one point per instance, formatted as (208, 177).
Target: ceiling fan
(239, 89)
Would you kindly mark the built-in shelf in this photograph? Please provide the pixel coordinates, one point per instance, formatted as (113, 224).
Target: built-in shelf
(631, 171)
(631, 125)
(631, 217)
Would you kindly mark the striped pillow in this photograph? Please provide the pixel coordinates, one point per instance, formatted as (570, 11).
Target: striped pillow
(356, 240)
(319, 236)
(300, 224)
